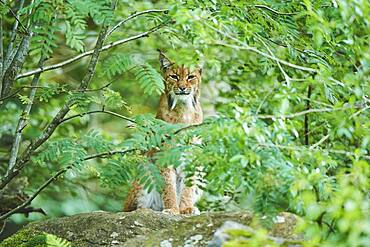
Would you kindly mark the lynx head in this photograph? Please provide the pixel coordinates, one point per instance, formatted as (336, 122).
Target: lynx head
(182, 84)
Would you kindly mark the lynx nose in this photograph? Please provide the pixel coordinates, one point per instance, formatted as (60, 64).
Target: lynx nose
(182, 88)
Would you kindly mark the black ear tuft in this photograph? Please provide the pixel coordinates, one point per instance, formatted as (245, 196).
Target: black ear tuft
(164, 61)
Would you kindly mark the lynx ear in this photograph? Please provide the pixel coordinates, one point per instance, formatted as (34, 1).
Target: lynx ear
(164, 61)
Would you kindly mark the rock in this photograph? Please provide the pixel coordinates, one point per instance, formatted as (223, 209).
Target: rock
(142, 227)
(221, 236)
(241, 234)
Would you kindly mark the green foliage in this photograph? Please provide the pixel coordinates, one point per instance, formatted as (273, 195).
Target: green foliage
(147, 77)
(117, 65)
(30, 238)
(283, 138)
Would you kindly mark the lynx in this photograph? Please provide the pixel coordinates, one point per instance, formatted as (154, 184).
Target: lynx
(178, 104)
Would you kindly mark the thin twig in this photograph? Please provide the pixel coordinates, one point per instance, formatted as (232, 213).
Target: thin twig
(133, 16)
(358, 112)
(41, 188)
(306, 120)
(286, 76)
(15, 59)
(320, 142)
(295, 148)
(1, 53)
(98, 111)
(264, 99)
(3, 226)
(15, 16)
(22, 122)
(245, 46)
(109, 153)
(101, 88)
(17, 91)
(73, 59)
(273, 11)
(56, 175)
(49, 130)
(255, 50)
(297, 114)
(14, 33)
(28, 87)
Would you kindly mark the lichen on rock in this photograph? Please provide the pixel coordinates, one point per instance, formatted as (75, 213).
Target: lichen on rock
(142, 227)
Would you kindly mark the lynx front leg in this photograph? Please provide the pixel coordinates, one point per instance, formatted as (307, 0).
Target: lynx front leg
(169, 191)
(187, 201)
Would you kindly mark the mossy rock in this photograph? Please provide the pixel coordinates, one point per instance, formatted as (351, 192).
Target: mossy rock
(34, 238)
(139, 228)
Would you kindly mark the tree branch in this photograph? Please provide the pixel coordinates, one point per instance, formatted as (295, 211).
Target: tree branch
(1, 53)
(58, 174)
(273, 11)
(297, 114)
(49, 130)
(320, 142)
(109, 153)
(16, 16)
(104, 48)
(255, 50)
(286, 76)
(133, 16)
(245, 46)
(98, 111)
(14, 33)
(308, 107)
(41, 188)
(295, 148)
(15, 65)
(22, 122)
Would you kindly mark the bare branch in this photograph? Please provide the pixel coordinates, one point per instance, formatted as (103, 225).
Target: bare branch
(98, 111)
(133, 16)
(14, 33)
(297, 114)
(49, 130)
(295, 148)
(58, 174)
(16, 16)
(17, 91)
(101, 88)
(109, 153)
(245, 46)
(15, 65)
(16, 56)
(306, 120)
(3, 226)
(274, 11)
(255, 50)
(320, 142)
(23, 121)
(104, 48)
(286, 76)
(1, 53)
(41, 188)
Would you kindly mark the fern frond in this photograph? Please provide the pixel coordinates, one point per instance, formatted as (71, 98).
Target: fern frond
(54, 241)
(149, 79)
(116, 65)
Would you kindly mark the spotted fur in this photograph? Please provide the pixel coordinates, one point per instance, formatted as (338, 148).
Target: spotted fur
(178, 104)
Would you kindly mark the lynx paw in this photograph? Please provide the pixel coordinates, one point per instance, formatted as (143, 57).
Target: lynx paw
(171, 211)
(190, 210)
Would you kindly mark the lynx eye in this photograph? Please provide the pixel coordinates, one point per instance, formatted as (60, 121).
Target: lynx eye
(191, 77)
(174, 77)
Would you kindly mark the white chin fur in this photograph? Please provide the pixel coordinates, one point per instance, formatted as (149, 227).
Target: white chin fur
(182, 99)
